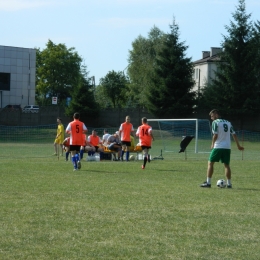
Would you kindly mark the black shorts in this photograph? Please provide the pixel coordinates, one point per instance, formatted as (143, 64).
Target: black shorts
(75, 148)
(126, 143)
(145, 147)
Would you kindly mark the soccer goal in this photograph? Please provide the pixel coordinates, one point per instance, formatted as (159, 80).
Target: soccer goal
(171, 132)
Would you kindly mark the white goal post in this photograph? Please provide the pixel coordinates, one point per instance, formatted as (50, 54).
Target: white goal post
(173, 130)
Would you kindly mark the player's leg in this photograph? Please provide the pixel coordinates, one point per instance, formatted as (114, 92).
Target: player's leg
(55, 147)
(73, 158)
(122, 152)
(145, 153)
(215, 156)
(226, 160)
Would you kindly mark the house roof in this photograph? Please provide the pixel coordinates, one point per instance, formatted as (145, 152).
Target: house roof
(213, 58)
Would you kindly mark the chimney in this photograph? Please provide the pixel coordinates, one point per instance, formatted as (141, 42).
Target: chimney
(205, 54)
(215, 50)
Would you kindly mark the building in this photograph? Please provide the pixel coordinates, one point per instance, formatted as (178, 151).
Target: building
(205, 68)
(17, 76)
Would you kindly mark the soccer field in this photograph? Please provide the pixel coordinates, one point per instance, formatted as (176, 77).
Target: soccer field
(116, 210)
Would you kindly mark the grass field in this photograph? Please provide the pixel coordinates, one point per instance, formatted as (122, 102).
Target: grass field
(116, 210)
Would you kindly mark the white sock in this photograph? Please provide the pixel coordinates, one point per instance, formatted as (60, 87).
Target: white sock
(229, 182)
(208, 180)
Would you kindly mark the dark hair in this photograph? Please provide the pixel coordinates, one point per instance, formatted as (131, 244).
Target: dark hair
(76, 115)
(144, 119)
(59, 118)
(214, 111)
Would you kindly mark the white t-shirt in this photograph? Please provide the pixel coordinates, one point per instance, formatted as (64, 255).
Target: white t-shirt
(104, 139)
(223, 129)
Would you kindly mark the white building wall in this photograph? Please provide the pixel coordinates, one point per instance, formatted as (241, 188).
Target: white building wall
(21, 64)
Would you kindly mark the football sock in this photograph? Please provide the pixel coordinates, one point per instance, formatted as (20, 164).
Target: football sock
(73, 159)
(208, 180)
(145, 160)
(229, 182)
(81, 154)
(127, 155)
(67, 155)
(77, 157)
(122, 154)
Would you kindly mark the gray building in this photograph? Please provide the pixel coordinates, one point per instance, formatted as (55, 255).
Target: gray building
(17, 76)
(205, 68)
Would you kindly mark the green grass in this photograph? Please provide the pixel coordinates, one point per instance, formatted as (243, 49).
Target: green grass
(116, 210)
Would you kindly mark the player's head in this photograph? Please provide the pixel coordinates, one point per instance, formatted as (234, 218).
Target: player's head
(127, 119)
(105, 131)
(58, 120)
(144, 120)
(76, 115)
(94, 132)
(214, 114)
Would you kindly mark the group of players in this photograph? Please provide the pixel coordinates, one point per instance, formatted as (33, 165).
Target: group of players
(77, 143)
(121, 141)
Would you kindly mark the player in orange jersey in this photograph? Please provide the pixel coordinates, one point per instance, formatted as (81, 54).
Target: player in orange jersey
(76, 129)
(145, 139)
(125, 131)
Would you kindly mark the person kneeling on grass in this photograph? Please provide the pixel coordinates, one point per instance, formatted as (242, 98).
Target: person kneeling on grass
(145, 139)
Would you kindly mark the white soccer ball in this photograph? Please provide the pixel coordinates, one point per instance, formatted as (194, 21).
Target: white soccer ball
(131, 158)
(221, 183)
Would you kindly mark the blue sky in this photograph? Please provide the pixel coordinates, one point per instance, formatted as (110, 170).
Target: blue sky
(102, 31)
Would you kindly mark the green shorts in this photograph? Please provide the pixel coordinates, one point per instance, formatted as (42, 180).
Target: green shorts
(219, 154)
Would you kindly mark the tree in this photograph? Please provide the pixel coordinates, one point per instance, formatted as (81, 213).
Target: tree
(236, 88)
(58, 70)
(114, 86)
(141, 65)
(170, 92)
(83, 100)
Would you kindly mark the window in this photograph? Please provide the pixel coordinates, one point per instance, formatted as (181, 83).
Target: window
(5, 81)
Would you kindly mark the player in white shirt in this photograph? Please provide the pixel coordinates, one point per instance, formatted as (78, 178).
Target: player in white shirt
(221, 147)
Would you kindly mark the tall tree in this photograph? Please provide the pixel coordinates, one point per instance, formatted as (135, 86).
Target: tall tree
(114, 86)
(235, 89)
(170, 92)
(141, 65)
(83, 100)
(58, 69)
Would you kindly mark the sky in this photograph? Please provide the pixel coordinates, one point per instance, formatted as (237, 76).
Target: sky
(102, 31)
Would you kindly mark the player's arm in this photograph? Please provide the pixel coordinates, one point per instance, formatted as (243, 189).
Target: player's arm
(151, 134)
(241, 148)
(214, 139)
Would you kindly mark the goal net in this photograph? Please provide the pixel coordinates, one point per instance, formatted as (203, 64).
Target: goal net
(172, 131)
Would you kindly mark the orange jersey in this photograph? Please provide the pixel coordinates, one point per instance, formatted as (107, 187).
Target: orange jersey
(144, 133)
(76, 129)
(66, 142)
(125, 131)
(94, 140)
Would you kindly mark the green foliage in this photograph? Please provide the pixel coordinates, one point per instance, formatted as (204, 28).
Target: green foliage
(236, 88)
(170, 92)
(58, 69)
(113, 87)
(83, 100)
(141, 65)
